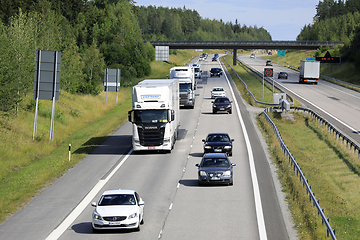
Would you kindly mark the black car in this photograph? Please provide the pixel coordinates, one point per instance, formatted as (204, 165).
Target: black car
(214, 59)
(215, 72)
(282, 75)
(218, 143)
(222, 104)
(268, 63)
(215, 168)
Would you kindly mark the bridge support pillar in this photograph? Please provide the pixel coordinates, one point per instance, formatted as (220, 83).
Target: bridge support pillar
(234, 57)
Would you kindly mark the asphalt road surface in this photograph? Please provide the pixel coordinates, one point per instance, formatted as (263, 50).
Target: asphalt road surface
(175, 206)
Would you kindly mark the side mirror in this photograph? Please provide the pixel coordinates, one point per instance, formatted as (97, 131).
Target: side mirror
(212, 101)
(203, 140)
(129, 116)
(141, 202)
(233, 164)
(197, 165)
(172, 115)
(93, 204)
(232, 140)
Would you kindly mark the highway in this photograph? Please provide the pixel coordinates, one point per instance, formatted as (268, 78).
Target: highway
(339, 105)
(175, 206)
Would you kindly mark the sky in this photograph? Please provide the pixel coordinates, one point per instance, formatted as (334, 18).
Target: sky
(283, 19)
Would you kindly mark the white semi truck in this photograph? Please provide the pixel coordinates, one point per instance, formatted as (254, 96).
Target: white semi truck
(309, 72)
(187, 84)
(155, 115)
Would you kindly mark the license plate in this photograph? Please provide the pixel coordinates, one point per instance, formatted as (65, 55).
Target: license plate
(114, 223)
(151, 148)
(222, 109)
(217, 150)
(215, 178)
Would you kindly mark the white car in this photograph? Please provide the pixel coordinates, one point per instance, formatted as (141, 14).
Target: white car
(118, 209)
(218, 92)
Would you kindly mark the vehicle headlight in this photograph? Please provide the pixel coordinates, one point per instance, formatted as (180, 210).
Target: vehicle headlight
(227, 147)
(207, 147)
(132, 215)
(166, 140)
(96, 215)
(203, 173)
(227, 173)
(136, 141)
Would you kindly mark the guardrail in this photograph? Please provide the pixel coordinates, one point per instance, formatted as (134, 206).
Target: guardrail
(266, 79)
(297, 169)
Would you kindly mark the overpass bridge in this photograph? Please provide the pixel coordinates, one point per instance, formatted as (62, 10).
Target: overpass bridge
(281, 45)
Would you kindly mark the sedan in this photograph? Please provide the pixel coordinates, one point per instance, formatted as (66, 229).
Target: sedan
(214, 59)
(218, 92)
(118, 209)
(218, 143)
(282, 75)
(215, 168)
(215, 72)
(268, 63)
(222, 104)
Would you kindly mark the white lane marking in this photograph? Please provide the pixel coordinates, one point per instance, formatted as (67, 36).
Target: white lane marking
(258, 204)
(84, 203)
(341, 122)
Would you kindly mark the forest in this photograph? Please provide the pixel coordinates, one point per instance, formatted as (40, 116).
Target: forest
(336, 21)
(91, 36)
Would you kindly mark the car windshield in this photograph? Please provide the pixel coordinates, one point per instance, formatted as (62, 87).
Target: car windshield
(215, 70)
(117, 199)
(215, 162)
(218, 138)
(150, 116)
(218, 89)
(184, 87)
(222, 100)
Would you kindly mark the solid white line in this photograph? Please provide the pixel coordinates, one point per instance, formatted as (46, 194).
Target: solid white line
(84, 203)
(258, 204)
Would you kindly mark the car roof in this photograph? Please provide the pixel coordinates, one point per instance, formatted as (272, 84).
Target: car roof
(119, 191)
(217, 87)
(223, 97)
(218, 133)
(215, 155)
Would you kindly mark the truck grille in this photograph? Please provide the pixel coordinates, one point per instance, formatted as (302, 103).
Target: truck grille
(151, 137)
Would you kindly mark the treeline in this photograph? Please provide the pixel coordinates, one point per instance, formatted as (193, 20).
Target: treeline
(336, 21)
(160, 24)
(93, 35)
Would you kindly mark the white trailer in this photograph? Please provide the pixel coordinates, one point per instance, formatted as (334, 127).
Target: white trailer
(155, 115)
(309, 72)
(187, 84)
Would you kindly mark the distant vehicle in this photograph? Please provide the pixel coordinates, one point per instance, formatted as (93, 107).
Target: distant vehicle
(218, 92)
(215, 72)
(216, 55)
(187, 84)
(268, 63)
(218, 143)
(282, 75)
(252, 55)
(118, 209)
(197, 69)
(215, 168)
(214, 59)
(309, 72)
(269, 53)
(221, 104)
(202, 58)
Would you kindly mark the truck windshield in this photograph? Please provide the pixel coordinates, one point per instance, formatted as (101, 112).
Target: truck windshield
(197, 69)
(184, 87)
(151, 116)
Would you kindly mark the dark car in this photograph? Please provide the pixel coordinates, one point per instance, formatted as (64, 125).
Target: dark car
(222, 104)
(218, 143)
(215, 168)
(214, 59)
(215, 72)
(282, 75)
(268, 63)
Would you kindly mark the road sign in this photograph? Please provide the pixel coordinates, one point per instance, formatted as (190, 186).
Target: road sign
(310, 59)
(268, 72)
(161, 53)
(281, 53)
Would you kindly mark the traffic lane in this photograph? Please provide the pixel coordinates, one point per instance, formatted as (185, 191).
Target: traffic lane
(203, 211)
(46, 211)
(154, 176)
(337, 104)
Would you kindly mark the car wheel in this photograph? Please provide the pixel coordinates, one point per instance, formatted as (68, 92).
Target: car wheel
(138, 227)
(230, 112)
(142, 221)
(95, 230)
(286, 78)
(231, 183)
(200, 183)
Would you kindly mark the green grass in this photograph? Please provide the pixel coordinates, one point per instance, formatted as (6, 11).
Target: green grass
(84, 121)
